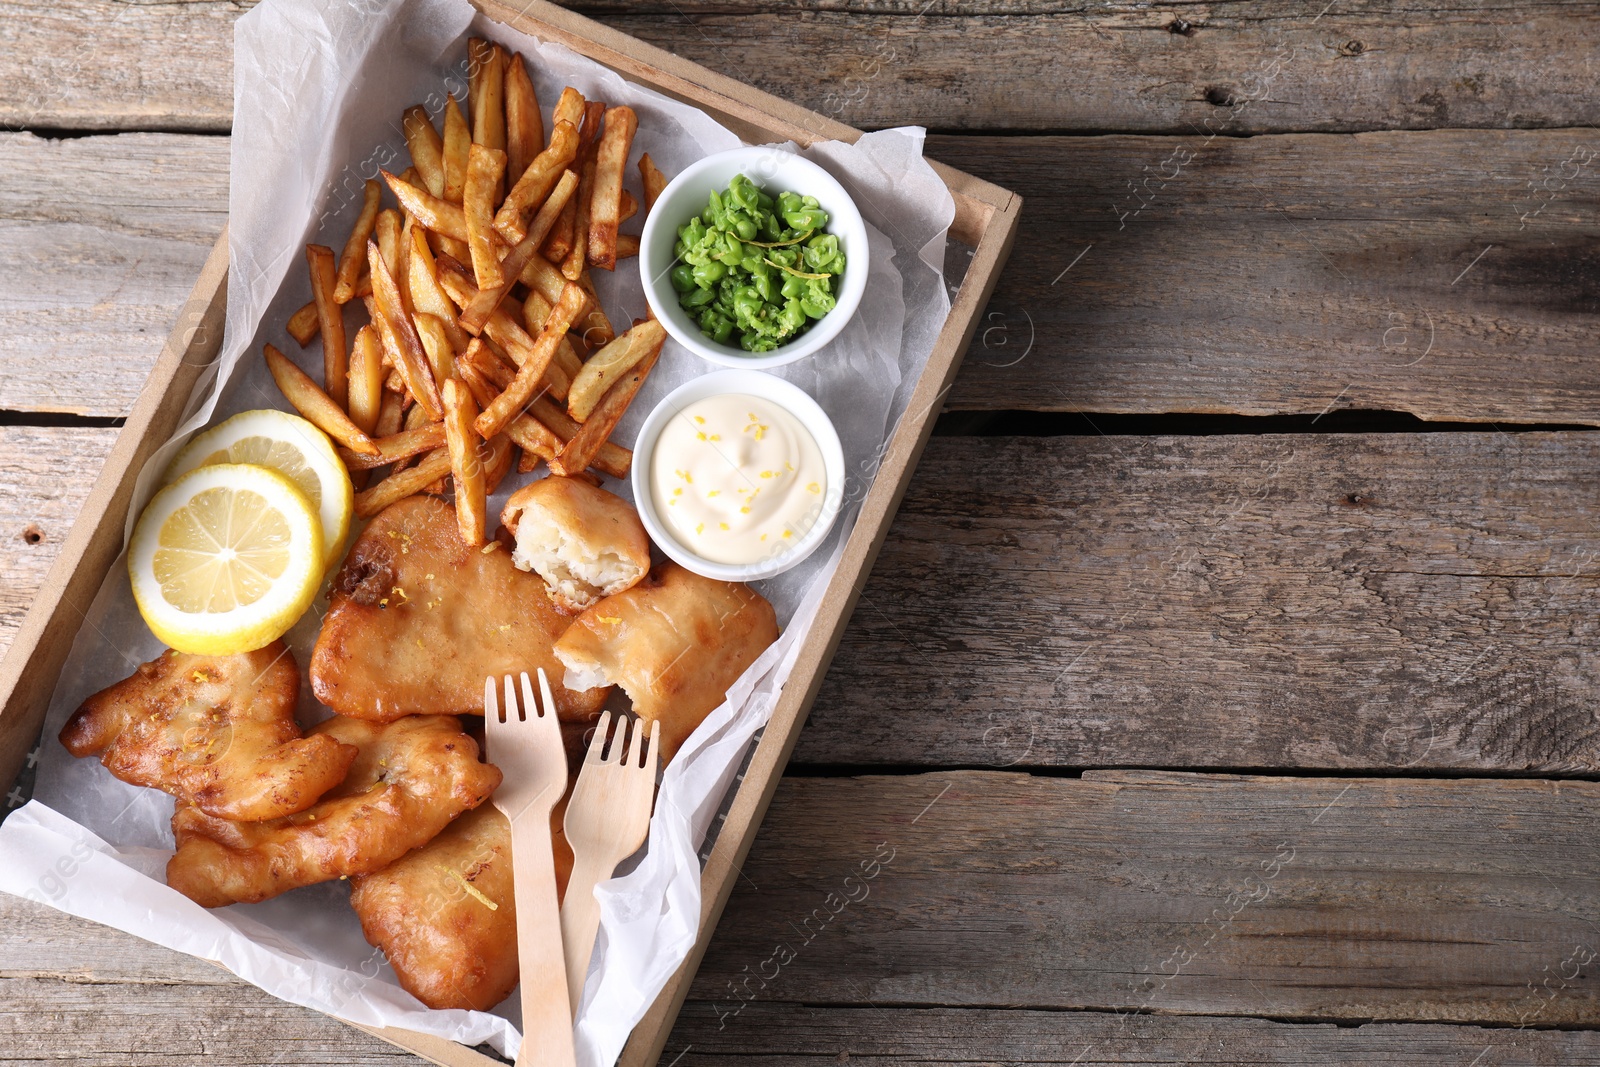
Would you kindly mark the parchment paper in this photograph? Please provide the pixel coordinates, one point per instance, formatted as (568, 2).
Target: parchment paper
(319, 88)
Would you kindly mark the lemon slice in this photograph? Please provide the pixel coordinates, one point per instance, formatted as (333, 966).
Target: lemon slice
(289, 445)
(226, 559)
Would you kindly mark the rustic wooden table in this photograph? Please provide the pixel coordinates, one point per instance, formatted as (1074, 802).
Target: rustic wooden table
(1225, 691)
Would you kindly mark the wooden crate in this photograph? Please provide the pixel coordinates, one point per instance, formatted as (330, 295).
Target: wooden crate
(985, 219)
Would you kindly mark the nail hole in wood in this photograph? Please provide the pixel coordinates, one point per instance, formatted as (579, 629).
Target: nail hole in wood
(1219, 97)
(1181, 27)
(32, 534)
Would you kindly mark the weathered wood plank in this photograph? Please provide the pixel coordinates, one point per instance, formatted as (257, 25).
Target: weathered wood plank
(1422, 272)
(105, 236)
(779, 1035)
(1256, 65)
(1312, 899)
(1347, 601)
(45, 473)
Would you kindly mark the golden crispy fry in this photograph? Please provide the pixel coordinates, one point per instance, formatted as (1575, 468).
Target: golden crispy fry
(524, 123)
(409, 780)
(440, 216)
(580, 452)
(577, 256)
(402, 444)
(654, 181)
(503, 330)
(486, 74)
(436, 342)
(604, 367)
(466, 465)
(594, 327)
(612, 458)
(535, 439)
(535, 313)
(457, 139)
(498, 462)
(417, 620)
(427, 148)
(484, 168)
(605, 199)
(330, 323)
(675, 642)
(403, 483)
(534, 185)
(526, 384)
(477, 313)
(303, 324)
(353, 256)
(628, 206)
(401, 267)
(400, 338)
(627, 245)
(390, 411)
(216, 731)
(428, 297)
(366, 379)
(387, 234)
(569, 107)
(318, 408)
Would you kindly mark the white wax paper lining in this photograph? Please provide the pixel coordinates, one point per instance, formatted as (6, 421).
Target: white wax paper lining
(318, 94)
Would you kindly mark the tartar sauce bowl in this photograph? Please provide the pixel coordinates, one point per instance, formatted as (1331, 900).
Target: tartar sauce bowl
(779, 393)
(775, 171)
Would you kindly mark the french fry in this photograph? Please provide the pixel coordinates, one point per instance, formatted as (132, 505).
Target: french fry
(524, 123)
(443, 244)
(351, 259)
(628, 206)
(426, 146)
(577, 256)
(466, 465)
(486, 74)
(535, 439)
(303, 324)
(330, 323)
(503, 330)
(526, 383)
(440, 216)
(318, 408)
(387, 234)
(366, 379)
(401, 484)
(396, 447)
(580, 452)
(612, 458)
(535, 311)
(391, 413)
(400, 337)
(569, 107)
(436, 342)
(605, 197)
(457, 139)
(401, 265)
(427, 295)
(654, 181)
(594, 327)
(603, 368)
(497, 464)
(627, 245)
(484, 168)
(474, 315)
(536, 182)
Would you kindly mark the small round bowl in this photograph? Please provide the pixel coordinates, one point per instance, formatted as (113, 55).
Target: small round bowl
(775, 171)
(751, 383)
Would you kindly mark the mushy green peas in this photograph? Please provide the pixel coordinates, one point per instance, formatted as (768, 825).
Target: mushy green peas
(755, 271)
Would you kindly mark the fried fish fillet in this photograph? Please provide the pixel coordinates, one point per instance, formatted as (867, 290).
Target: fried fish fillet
(410, 778)
(675, 643)
(445, 915)
(418, 620)
(217, 732)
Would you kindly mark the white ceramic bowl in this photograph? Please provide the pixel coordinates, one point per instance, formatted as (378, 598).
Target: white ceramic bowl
(775, 172)
(752, 383)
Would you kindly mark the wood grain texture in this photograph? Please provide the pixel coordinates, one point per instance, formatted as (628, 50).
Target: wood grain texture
(1389, 601)
(790, 1035)
(1414, 272)
(1127, 66)
(105, 236)
(1311, 899)
(45, 473)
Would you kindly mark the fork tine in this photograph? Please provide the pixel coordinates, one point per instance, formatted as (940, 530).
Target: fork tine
(491, 706)
(597, 743)
(547, 702)
(513, 712)
(532, 708)
(653, 754)
(634, 740)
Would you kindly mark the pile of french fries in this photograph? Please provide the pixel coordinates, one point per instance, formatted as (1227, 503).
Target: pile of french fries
(485, 337)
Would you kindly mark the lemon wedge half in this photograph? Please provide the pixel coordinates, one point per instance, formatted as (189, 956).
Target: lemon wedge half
(226, 559)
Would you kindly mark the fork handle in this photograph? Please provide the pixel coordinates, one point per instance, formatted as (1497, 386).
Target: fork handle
(539, 956)
(580, 919)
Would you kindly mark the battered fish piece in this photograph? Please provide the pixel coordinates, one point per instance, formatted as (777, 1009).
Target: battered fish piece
(675, 643)
(410, 778)
(217, 732)
(585, 542)
(445, 915)
(418, 620)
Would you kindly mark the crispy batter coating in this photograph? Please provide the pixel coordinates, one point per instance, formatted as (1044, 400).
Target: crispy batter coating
(418, 620)
(675, 643)
(409, 780)
(215, 731)
(585, 542)
(448, 946)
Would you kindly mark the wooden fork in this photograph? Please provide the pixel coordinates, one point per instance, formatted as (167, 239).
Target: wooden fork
(527, 748)
(607, 819)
